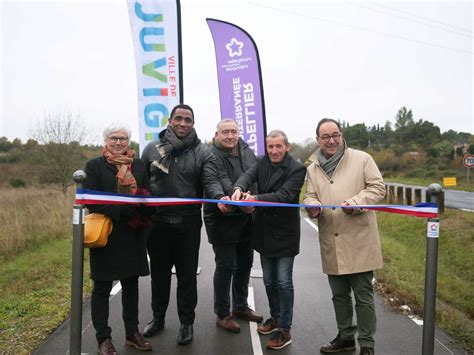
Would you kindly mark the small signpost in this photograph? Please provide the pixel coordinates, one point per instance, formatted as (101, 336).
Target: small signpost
(449, 181)
(468, 162)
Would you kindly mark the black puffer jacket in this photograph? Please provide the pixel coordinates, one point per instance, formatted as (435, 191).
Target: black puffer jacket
(235, 226)
(192, 172)
(276, 232)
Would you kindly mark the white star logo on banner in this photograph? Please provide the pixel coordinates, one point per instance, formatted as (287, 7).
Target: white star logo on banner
(234, 47)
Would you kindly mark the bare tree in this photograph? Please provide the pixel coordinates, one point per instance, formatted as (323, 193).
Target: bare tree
(61, 134)
(60, 127)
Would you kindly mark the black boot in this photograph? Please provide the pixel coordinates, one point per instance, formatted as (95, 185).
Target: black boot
(185, 335)
(153, 327)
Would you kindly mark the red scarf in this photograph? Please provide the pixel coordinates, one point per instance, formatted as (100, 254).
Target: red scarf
(126, 183)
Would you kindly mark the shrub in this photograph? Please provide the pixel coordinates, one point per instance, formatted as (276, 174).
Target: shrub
(432, 174)
(413, 159)
(451, 173)
(416, 173)
(386, 160)
(17, 182)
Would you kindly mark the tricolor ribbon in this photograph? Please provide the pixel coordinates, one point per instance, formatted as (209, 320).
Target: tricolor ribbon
(91, 197)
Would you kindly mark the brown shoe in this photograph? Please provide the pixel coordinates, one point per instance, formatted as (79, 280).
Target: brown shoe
(106, 348)
(270, 326)
(337, 345)
(248, 314)
(229, 324)
(279, 340)
(138, 342)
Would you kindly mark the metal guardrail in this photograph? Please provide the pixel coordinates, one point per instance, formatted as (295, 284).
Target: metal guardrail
(411, 195)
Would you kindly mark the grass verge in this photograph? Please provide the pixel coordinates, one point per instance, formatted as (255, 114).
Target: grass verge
(35, 295)
(402, 277)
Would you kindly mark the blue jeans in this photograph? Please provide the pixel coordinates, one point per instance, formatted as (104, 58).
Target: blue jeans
(278, 280)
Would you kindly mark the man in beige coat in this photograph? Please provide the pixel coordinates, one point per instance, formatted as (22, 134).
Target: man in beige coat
(349, 238)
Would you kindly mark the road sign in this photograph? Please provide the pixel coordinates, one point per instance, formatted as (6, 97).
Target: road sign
(468, 160)
(449, 181)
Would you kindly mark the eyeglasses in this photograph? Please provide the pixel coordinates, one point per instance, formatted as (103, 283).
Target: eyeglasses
(117, 139)
(326, 138)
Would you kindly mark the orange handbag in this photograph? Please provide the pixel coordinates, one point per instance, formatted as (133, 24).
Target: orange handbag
(97, 228)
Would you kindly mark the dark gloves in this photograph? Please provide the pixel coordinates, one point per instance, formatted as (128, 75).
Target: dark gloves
(138, 214)
(129, 211)
(140, 222)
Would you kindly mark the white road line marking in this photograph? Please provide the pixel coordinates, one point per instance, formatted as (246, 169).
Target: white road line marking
(87, 326)
(256, 346)
(419, 322)
(444, 346)
(116, 289)
(312, 224)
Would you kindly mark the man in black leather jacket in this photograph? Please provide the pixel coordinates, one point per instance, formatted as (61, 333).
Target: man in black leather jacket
(179, 165)
(230, 233)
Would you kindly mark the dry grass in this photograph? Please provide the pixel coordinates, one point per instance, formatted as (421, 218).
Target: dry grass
(30, 216)
(35, 257)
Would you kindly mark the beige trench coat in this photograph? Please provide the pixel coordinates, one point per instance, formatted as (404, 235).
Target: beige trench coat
(349, 243)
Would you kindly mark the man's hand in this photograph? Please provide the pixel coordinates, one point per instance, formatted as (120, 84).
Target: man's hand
(249, 197)
(247, 209)
(223, 207)
(313, 212)
(237, 195)
(345, 209)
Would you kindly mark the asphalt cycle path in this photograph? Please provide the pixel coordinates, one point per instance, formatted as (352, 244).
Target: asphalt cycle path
(313, 321)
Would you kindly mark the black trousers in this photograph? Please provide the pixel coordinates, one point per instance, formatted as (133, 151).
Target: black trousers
(100, 307)
(232, 273)
(174, 244)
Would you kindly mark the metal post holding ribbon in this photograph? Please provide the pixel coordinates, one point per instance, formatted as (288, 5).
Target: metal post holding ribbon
(431, 268)
(79, 177)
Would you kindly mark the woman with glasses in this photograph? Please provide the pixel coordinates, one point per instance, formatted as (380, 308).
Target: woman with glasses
(124, 257)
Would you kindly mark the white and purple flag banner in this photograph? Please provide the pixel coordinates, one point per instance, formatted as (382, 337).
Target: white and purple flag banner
(240, 82)
(156, 35)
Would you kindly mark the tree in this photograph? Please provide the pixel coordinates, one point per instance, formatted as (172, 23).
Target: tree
(403, 124)
(5, 144)
(301, 152)
(404, 118)
(444, 149)
(60, 135)
(357, 136)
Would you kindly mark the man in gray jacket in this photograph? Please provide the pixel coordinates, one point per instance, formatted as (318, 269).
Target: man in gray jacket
(179, 165)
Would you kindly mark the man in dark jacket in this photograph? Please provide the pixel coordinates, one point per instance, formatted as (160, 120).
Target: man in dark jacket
(179, 165)
(230, 232)
(276, 234)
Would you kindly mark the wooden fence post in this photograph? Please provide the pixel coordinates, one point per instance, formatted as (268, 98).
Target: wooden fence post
(408, 195)
(400, 195)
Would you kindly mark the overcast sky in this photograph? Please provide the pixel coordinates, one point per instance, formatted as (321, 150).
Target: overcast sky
(353, 61)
